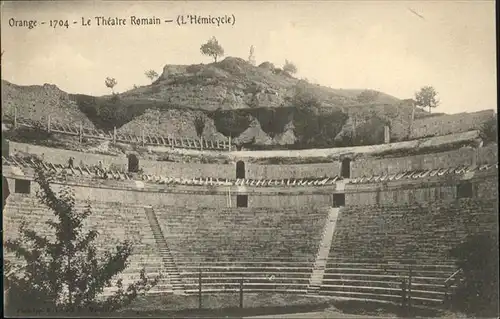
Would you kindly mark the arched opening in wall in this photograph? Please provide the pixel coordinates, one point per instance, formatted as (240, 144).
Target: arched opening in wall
(345, 169)
(338, 200)
(240, 169)
(133, 163)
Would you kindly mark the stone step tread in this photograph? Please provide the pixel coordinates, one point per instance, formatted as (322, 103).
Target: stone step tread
(382, 288)
(397, 297)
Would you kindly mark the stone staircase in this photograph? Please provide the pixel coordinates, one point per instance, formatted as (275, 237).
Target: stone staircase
(323, 252)
(168, 261)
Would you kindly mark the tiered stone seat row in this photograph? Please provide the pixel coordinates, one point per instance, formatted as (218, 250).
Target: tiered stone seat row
(94, 171)
(114, 222)
(291, 277)
(90, 171)
(208, 181)
(382, 281)
(420, 231)
(416, 174)
(270, 249)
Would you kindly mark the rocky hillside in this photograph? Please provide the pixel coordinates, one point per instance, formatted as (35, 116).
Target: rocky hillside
(38, 102)
(235, 84)
(255, 105)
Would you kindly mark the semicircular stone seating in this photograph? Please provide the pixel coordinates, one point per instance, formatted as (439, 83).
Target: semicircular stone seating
(266, 249)
(94, 171)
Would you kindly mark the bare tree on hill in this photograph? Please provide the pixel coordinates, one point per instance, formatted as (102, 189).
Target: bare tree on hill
(111, 83)
(427, 97)
(151, 74)
(212, 49)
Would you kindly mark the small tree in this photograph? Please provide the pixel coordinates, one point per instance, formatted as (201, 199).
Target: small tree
(199, 125)
(110, 83)
(367, 96)
(212, 49)
(251, 56)
(151, 74)
(65, 275)
(427, 97)
(289, 67)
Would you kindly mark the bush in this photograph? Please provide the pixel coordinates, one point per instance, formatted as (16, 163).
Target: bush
(273, 121)
(66, 275)
(477, 257)
(489, 130)
(289, 67)
(314, 125)
(367, 96)
(231, 123)
(370, 132)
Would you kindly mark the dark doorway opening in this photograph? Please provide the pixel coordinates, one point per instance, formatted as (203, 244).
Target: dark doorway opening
(464, 190)
(338, 200)
(133, 163)
(345, 170)
(242, 201)
(240, 169)
(22, 186)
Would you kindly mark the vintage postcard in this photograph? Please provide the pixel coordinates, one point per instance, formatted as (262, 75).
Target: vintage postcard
(249, 159)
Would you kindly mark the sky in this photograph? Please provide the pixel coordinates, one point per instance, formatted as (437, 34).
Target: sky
(392, 46)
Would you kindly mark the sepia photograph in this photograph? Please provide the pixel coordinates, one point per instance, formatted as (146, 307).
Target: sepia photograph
(249, 159)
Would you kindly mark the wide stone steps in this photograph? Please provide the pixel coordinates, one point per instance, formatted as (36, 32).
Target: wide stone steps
(383, 281)
(323, 250)
(164, 251)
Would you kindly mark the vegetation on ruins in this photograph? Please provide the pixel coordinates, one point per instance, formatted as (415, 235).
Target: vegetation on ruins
(66, 275)
(151, 74)
(427, 97)
(477, 257)
(273, 121)
(110, 83)
(212, 49)
(370, 132)
(265, 97)
(110, 112)
(367, 96)
(231, 123)
(290, 67)
(489, 130)
(314, 124)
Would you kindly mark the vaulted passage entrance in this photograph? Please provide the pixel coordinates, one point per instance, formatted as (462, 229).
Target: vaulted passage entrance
(242, 201)
(338, 200)
(133, 163)
(240, 169)
(345, 170)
